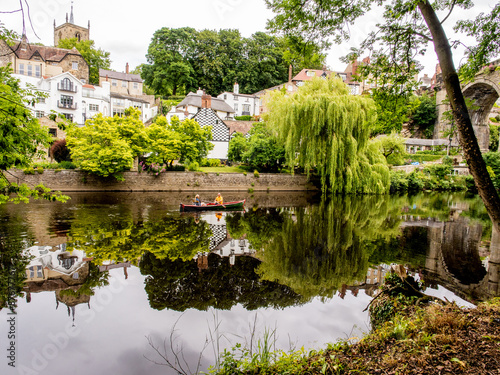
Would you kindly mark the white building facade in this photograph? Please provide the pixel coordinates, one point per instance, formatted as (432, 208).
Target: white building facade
(242, 104)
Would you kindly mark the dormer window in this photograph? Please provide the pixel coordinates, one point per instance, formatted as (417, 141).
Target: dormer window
(311, 73)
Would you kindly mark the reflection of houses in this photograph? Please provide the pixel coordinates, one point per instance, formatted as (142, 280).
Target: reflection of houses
(223, 245)
(59, 264)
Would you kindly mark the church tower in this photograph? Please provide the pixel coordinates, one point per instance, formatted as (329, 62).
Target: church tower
(69, 30)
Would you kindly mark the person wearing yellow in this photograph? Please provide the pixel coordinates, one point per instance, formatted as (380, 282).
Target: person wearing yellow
(219, 199)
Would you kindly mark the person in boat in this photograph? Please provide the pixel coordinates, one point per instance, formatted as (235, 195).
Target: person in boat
(197, 200)
(218, 199)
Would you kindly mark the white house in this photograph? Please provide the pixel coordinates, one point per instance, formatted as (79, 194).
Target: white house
(192, 103)
(120, 102)
(64, 95)
(96, 100)
(242, 104)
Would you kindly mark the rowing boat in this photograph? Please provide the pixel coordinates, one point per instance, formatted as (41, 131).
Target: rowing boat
(237, 205)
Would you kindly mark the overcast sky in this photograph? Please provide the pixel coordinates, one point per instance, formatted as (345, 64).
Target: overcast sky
(124, 28)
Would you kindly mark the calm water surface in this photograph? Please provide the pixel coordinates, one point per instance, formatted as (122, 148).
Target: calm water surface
(97, 283)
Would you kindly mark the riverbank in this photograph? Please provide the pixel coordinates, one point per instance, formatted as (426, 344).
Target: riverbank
(79, 181)
(436, 339)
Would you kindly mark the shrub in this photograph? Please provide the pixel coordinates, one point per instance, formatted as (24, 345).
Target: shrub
(39, 169)
(414, 182)
(29, 170)
(204, 162)
(59, 151)
(243, 118)
(193, 166)
(66, 165)
(399, 181)
(256, 173)
(214, 163)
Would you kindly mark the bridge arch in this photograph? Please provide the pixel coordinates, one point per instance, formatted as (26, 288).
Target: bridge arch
(484, 91)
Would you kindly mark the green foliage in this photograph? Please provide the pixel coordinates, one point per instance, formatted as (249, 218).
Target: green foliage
(99, 148)
(425, 114)
(494, 136)
(393, 146)
(95, 57)
(393, 109)
(256, 173)
(432, 177)
(485, 30)
(263, 150)
(22, 138)
(181, 60)
(324, 127)
(238, 145)
(492, 160)
(243, 118)
(193, 166)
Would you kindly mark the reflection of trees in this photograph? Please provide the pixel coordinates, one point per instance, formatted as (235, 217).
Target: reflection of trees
(322, 247)
(119, 238)
(13, 259)
(179, 285)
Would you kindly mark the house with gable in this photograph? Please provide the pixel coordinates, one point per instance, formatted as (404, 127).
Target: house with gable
(192, 103)
(208, 116)
(242, 104)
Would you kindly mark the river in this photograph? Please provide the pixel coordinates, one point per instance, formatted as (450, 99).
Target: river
(117, 282)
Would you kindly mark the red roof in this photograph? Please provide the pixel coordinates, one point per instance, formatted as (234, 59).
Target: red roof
(89, 86)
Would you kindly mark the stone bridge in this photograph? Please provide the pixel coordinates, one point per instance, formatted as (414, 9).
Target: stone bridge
(484, 91)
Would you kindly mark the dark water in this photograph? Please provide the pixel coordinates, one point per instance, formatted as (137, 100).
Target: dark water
(100, 280)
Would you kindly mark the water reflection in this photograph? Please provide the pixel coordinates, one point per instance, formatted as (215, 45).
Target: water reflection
(264, 257)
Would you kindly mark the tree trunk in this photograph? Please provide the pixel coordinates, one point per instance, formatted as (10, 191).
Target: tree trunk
(468, 140)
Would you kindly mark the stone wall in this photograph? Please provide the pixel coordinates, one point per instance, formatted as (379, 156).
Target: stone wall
(72, 180)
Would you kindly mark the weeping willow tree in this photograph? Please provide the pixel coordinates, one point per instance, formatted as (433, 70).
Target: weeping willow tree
(322, 247)
(325, 128)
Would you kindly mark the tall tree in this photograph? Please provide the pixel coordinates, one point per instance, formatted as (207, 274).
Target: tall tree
(95, 57)
(329, 129)
(169, 56)
(407, 27)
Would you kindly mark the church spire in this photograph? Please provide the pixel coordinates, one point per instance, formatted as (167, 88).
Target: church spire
(71, 18)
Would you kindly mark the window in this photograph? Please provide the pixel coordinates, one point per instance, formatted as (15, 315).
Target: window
(246, 107)
(38, 71)
(68, 116)
(114, 82)
(118, 112)
(236, 107)
(136, 85)
(311, 73)
(118, 102)
(41, 100)
(39, 114)
(94, 107)
(30, 70)
(225, 96)
(21, 68)
(66, 100)
(74, 65)
(66, 84)
(124, 83)
(53, 132)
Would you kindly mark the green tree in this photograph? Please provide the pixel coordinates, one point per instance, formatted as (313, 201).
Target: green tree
(95, 57)
(425, 114)
(99, 148)
(195, 140)
(494, 137)
(393, 148)
(264, 151)
(169, 56)
(392, 111)
(406, 28)
(237, 147)
(22, 138)
(329, 129)
(165, 144)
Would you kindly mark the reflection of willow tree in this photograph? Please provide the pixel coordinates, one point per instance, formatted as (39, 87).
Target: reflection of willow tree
(322, 247)
(257, 226)
(119, 238)
(179, 285)
(13, 260)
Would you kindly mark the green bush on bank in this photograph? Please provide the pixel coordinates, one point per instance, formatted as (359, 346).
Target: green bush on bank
(436, 177)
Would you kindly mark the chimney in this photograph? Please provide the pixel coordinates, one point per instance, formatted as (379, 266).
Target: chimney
(107, 78)
(236, 88)
(199, 91)
(290, 73)
(126, 68)
(206, 101)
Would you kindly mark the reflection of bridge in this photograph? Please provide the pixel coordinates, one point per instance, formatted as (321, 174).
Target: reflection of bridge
(453, 259)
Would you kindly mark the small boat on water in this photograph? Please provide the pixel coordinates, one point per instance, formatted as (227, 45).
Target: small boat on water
(237, 205)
